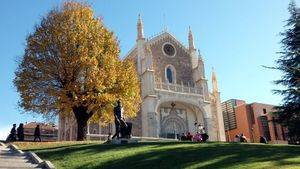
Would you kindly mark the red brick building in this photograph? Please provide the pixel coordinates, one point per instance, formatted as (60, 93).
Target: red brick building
(253, 120)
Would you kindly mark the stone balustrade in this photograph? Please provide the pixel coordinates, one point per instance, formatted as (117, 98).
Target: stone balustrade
(179, 88)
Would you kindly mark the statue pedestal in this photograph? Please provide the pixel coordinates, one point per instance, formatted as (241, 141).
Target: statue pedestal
(124, 141)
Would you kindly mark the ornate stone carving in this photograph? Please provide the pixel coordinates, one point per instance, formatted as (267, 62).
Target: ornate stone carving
(173, 122)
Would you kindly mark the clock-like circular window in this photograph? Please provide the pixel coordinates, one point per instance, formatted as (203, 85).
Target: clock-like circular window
(169, 49)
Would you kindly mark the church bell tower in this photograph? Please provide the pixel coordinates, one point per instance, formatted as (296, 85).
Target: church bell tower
(146, 74)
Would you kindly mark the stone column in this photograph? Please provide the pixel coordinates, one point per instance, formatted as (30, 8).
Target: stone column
(59, 128)
(65, 129)
(219, 115)
(149, 117)
(213, 136)
(99, 125)
(210, 127)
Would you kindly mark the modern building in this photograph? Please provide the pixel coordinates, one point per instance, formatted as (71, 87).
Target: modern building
(253, 120)
(174, 90)
(229, 113)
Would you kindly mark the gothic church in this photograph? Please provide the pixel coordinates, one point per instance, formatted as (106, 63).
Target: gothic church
(174, 92)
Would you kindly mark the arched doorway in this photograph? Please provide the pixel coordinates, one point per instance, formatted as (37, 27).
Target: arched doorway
(176, 118)
(172, 125)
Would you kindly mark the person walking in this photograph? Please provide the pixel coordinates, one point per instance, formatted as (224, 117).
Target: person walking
(37, 133)
(20, 132)
(118, 113)
(12, 135)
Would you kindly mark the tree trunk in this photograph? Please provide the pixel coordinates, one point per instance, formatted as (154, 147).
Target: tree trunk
(82, 118)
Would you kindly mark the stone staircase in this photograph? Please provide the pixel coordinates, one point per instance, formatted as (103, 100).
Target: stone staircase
(10, 159)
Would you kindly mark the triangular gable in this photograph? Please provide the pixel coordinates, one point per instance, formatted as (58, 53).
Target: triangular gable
(164, 35)
(157, 38)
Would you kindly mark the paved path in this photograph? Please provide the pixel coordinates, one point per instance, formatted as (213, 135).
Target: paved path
(10, 159)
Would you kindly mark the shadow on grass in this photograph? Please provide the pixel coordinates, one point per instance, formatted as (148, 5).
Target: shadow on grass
(176, 155)
(59, 147)
(96, 148)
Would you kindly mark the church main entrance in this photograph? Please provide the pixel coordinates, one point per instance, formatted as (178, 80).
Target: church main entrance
(176, 118)
(173, 121)
(172, 126)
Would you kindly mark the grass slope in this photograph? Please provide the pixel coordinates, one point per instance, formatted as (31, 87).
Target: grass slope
(146, 155)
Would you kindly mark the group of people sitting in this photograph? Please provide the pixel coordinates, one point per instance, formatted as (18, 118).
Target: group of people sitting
(240, 138)
(243, 139)
(198, 137)
(18, 134)
(186, 137)
(263, 139)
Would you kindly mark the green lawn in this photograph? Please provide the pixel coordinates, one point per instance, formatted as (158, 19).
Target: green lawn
(94, 155)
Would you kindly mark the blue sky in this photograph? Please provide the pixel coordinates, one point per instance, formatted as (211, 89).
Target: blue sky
(235, 37)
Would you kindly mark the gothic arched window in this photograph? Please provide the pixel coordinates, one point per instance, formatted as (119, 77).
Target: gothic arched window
(170, 74)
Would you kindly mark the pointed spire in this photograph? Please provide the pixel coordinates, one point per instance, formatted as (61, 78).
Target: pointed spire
(140, 29)
(164, 24)
(199, 55)
(214, 82)
(191, 40)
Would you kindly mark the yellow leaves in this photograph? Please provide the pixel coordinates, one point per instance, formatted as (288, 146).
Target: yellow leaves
(72, 59)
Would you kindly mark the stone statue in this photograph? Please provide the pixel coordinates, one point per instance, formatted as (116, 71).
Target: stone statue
(122, 128)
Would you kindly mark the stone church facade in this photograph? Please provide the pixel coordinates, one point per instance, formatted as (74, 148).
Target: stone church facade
(174, 91)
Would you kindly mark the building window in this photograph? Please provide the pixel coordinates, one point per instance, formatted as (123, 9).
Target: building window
(170, 74)
(250, 109)
(275, 128)
(265, 111)
(229, 115)
(265, 127)
(168, 49)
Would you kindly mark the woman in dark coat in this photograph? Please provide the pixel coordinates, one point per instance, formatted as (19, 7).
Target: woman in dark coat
(37, 133)
(20, 132)
(12, 135)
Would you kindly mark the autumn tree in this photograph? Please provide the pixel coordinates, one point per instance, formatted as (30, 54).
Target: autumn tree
(71, 66)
